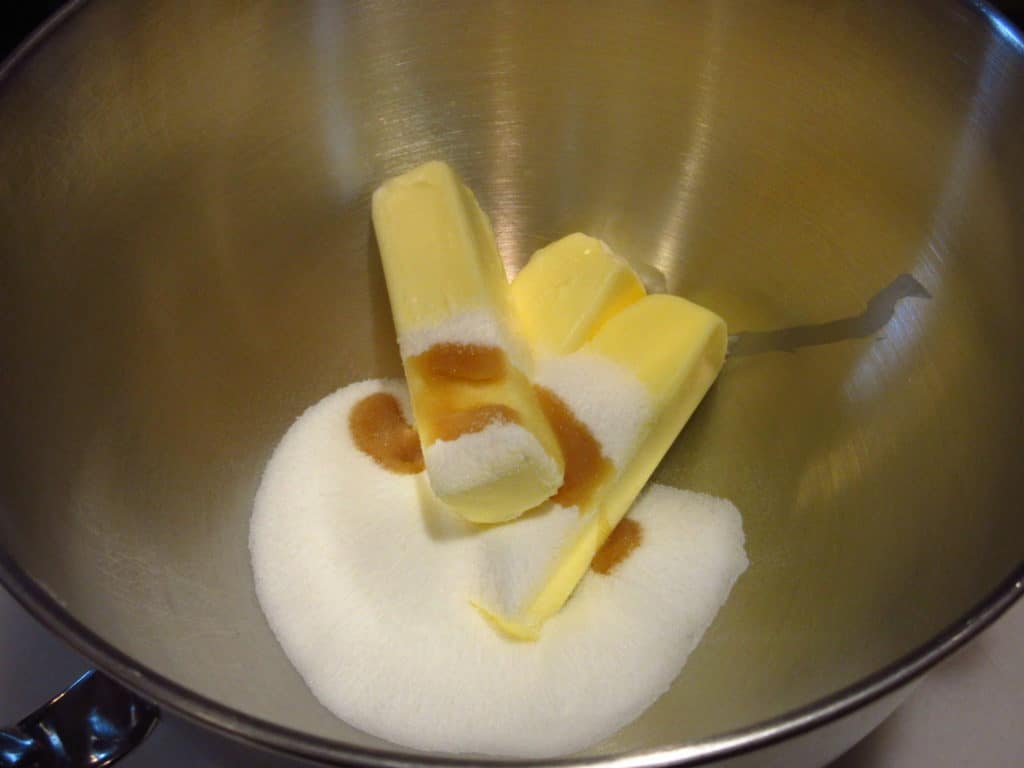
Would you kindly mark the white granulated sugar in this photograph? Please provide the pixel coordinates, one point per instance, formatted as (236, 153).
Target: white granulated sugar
(611, 401)
(365, 580)
(477, 326)
(477, 459)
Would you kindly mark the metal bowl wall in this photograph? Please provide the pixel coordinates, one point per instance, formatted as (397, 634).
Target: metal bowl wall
(187, 262)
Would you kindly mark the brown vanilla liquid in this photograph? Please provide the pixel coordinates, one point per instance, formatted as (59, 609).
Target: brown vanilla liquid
(449, 425)
(461, 362)
(450, 370)
(624, 538)
(381, 432)
(586, 466)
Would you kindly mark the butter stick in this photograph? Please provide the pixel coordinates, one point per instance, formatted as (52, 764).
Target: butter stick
(488, 449)
(633, 386)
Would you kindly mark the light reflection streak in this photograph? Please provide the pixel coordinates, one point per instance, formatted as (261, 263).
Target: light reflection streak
(343, 161)
(1006, 31)
(671, 251)
(505, 150)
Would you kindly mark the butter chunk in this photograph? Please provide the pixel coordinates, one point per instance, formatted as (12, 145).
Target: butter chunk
(568, 290)
(487, 447)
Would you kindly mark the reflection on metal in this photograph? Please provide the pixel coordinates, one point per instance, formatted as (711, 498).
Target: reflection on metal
(679, 221)
(1000, 24)
(93, 723)
(880, 311)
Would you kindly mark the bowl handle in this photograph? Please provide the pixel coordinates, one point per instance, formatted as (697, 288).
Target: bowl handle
(95, 722)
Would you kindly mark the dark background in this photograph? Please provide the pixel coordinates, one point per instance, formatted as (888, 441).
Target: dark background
(30, 14)
(22, 18)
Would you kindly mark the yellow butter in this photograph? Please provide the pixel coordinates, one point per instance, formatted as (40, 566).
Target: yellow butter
(674, 349)
(568, 290)
(466, 366)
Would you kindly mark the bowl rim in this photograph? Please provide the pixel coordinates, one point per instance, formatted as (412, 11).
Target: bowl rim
(192, 706)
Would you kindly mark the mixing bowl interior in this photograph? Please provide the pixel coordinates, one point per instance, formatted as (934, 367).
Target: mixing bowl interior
(187, 262)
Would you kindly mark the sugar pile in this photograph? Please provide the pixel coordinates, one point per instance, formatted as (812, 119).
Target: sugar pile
(365, 579)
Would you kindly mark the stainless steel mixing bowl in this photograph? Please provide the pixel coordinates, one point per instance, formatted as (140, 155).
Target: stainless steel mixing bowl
(186, 262)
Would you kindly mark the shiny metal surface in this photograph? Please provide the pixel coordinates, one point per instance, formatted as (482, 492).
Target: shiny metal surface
(92, 724)
(186, 262)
